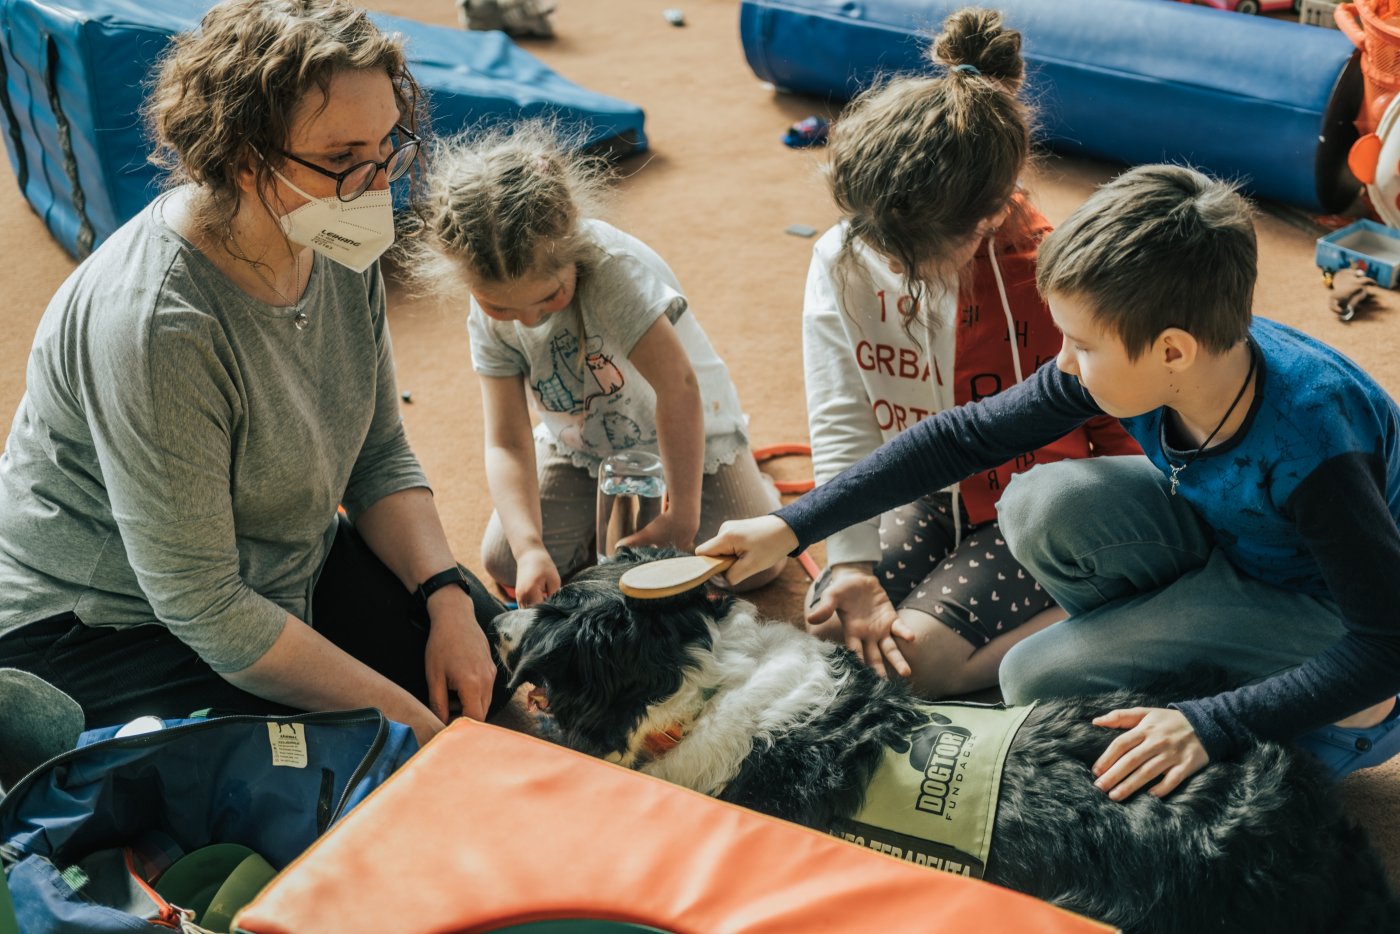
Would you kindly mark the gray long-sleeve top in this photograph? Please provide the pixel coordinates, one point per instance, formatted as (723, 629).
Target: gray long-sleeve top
(181, 449)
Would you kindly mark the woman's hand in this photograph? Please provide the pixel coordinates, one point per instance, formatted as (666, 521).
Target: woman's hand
(536, 578)
(1158, 742)
(756, 545)
(458, 657)
(667, 529)
(869, 621)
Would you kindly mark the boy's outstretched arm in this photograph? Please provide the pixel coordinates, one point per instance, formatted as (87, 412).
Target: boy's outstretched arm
(942, 450)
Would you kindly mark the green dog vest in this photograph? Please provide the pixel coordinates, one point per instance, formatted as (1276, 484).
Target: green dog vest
(933, 801)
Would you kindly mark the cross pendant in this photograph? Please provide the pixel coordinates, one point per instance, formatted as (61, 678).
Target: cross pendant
(1176, 469)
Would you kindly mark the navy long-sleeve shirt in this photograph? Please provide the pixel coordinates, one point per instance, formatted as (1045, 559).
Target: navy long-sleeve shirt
(1305, 496)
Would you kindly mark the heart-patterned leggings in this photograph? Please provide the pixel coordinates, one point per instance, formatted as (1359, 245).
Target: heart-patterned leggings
(977, 589)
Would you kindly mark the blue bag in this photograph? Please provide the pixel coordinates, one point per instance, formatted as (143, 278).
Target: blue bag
(272, 784)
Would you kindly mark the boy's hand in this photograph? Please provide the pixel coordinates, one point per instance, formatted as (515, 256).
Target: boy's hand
(536, 578)
(756, 545)
(869, 621)
(1158, 742)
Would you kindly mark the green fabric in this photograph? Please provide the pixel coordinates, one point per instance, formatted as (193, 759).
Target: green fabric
(933, 800)
(9, 924)
(214, 882)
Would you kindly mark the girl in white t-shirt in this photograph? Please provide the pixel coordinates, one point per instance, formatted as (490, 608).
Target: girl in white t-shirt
(587, 325)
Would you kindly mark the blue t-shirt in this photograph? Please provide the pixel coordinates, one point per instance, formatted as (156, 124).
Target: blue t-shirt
(1305, 496)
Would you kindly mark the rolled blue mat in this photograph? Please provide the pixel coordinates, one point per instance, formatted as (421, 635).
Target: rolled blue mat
(1264, 101)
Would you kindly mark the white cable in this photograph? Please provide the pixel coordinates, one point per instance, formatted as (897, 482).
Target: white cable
(1006, 307)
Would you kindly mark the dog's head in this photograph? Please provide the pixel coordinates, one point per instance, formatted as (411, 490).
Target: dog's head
(598, 658)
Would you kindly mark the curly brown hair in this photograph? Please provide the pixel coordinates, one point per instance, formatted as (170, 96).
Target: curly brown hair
(233, 85)
(918, 161)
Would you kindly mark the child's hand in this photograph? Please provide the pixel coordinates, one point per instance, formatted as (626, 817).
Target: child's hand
(665, 530)
(869, 621)
(536, 578)
(756, 545)
(1157, 742)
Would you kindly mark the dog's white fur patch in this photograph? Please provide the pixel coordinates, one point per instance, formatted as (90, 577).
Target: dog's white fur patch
(763, 678)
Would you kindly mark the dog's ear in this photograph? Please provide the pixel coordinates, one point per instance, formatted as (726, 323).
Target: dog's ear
(536, 654)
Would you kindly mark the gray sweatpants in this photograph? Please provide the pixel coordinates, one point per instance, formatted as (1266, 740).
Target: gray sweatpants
(1147, 591)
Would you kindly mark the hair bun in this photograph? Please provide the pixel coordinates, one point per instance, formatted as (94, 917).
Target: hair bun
(977, 37)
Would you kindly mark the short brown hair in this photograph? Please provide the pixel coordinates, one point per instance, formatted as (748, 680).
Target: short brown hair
(1160, 246)
(918, 162)
(232, 86)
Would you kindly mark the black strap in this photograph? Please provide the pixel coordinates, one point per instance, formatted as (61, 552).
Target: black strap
(86, 235)
(447, 578)
(11, 121)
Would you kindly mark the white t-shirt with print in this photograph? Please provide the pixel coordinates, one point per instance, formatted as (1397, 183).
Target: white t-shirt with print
(592, 402)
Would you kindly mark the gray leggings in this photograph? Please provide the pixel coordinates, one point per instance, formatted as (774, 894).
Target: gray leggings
(569, 498)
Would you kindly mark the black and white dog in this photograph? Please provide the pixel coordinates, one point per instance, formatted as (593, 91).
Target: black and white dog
(698, 691)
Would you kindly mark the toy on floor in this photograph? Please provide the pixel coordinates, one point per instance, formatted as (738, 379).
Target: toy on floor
(519, 19)
(807, 132)
(1354, 292)
(1369, 248)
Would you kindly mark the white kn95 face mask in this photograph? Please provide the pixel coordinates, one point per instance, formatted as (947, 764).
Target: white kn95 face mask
(352, 233)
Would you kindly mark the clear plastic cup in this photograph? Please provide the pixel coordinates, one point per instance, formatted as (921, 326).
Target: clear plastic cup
(631, 493)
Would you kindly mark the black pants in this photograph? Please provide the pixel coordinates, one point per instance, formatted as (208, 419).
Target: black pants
(118, 674)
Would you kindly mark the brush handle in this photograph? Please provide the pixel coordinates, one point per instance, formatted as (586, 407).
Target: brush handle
(671, 576)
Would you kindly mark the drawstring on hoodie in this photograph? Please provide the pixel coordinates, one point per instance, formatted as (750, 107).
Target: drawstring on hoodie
(1015, 366)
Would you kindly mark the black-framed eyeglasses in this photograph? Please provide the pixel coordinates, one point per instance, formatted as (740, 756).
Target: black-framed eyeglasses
(356, 180)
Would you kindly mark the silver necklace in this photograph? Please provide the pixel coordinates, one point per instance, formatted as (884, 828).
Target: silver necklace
(302, 321)
(1191, 459)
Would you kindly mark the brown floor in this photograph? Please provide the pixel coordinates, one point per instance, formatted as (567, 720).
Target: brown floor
(713, 196)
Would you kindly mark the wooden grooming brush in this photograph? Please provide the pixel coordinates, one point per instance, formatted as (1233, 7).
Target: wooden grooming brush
(670, 576)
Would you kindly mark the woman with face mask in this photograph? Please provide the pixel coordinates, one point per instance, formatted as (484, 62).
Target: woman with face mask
(211, 386)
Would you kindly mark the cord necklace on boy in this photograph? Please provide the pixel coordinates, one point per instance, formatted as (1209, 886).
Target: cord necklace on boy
(1248, 376)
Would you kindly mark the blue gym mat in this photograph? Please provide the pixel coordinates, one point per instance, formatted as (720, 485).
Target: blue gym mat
(73, 72)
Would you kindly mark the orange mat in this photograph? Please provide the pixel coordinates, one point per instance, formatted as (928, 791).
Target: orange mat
(486, 828)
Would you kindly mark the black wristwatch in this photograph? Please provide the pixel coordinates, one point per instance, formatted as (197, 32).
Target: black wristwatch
(432, 585)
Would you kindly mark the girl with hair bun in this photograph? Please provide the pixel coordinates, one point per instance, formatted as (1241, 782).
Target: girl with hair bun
(921, 298)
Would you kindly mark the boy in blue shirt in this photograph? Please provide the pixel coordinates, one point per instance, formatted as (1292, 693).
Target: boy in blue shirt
(1260, 533)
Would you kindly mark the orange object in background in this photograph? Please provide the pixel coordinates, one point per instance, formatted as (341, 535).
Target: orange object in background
(1373, 26)
(486, 829)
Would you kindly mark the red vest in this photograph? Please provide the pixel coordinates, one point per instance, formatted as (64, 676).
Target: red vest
(982, 360)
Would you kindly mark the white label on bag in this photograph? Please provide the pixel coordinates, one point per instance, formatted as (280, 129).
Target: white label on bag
(288, 742)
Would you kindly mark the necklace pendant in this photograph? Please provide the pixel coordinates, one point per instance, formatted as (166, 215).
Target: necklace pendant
(301, 321)
(1176, 469)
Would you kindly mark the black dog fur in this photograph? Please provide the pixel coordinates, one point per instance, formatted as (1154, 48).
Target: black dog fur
(1253, 844)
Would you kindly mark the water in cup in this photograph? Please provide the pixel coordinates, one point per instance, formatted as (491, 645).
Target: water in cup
(631, 493)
